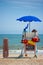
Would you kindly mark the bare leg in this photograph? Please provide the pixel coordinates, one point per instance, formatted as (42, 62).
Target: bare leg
(35, 52)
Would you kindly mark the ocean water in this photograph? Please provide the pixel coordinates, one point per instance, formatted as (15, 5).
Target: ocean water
(14, 41)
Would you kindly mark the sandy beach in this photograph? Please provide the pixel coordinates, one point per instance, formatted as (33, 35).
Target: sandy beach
(14, 60)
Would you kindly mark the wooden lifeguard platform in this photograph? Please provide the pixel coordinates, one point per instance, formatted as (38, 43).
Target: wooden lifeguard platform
(29, 40)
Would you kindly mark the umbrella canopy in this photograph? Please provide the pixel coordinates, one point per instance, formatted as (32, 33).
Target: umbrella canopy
(29, 19)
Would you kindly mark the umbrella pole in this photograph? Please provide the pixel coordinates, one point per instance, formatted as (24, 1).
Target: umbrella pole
(29, 26)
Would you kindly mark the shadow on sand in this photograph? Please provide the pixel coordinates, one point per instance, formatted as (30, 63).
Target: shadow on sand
(20, 57)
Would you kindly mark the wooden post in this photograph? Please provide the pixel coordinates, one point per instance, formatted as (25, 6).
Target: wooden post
(5, 48)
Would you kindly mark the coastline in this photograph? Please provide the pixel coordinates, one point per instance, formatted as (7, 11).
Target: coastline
(16, 53)
(14, 60)
(19, 51)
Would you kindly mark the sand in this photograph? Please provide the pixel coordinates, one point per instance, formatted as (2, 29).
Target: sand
(13, 60)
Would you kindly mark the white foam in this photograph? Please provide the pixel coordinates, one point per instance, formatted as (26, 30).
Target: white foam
(19, 51)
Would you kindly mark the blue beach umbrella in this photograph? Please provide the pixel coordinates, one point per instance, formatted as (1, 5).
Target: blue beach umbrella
(29, 19)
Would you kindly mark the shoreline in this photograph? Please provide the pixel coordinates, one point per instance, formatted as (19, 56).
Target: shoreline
(14, 60)
(19, 51)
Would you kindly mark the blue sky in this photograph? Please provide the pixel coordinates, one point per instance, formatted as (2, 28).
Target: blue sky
(10, 10)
